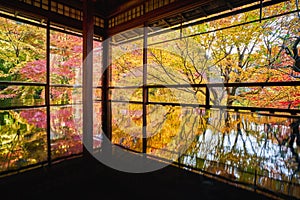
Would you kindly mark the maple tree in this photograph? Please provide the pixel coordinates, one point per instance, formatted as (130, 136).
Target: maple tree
(20, 44)
(22, 55)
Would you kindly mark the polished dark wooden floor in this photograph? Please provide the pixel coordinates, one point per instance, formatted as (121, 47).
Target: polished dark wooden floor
(86, 178)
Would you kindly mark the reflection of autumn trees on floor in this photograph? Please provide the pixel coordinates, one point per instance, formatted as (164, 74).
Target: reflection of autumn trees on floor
(127, 125)
(23, 135)
(249, 147)
(23, 138)
(66, 131)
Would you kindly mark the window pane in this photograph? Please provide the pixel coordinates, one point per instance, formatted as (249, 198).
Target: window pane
(97, 94)
(97, 134)
(127, 125)
(65, 58)
(287, 97)
(166, 65)
(97, 63)
(22, 52)
(66, 130)
(183, 95)
(65, 95)
(127, 94)
(172, 129)
(21, 96)
(23, 138)
(127, 64)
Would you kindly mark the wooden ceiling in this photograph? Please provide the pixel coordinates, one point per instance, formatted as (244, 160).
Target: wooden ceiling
(115, 16)
(171, 13)
(105, 8)
(109, 7)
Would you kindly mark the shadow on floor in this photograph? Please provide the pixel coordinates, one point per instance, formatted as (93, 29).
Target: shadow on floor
(87, 178)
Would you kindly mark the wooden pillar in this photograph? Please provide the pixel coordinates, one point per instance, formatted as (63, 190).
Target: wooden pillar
(47, 93)
(145, 88)
(87, 90)
(106, 104)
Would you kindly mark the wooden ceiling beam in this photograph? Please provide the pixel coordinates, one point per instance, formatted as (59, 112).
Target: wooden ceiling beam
(179, 7)
(38, 13)
(123, 7)
(159, 13)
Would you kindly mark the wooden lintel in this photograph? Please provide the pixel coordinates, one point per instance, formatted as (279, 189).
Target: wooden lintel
(159, 13)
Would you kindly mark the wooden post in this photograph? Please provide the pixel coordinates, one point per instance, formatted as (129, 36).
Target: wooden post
(106, 115)
(145, 89)
(47, 93)
(106, 105)
(88, 33)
